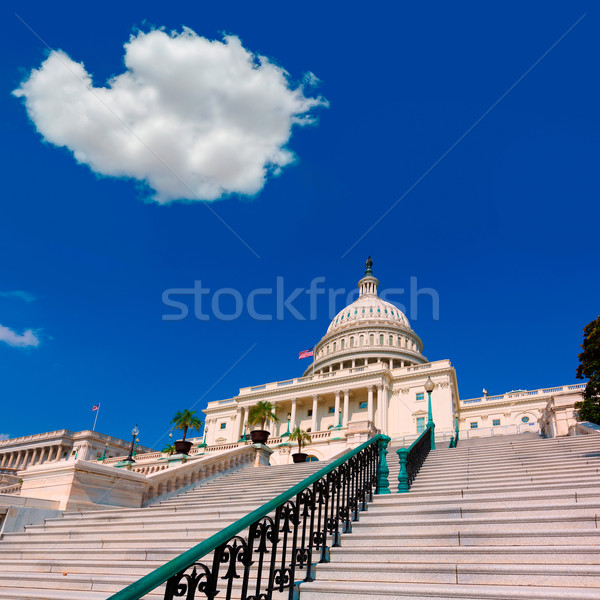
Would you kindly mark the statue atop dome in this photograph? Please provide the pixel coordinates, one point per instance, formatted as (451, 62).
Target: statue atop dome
(369, 265)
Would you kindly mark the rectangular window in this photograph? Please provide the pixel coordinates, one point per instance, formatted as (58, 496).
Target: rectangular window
(310, 412)
(496, 422)
(362, 405)
(473, 425)
(420, 396)
(223, 425)
(331, 410)
(420, 424)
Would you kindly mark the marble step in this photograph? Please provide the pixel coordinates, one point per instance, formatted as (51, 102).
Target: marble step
(504, 537)
(338, 590)
(574, 492)
(555, 574)
(499, 508)
(535, 554)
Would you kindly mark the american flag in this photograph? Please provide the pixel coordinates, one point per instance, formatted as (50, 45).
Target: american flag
(95, 407)
(305, 353)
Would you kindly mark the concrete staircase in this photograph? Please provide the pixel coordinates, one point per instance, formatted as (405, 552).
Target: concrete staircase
(91, 556)
(496, 518)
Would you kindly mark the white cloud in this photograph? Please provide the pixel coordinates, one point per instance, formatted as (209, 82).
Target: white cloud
(20, 340)
(218, 115)
(19, 294)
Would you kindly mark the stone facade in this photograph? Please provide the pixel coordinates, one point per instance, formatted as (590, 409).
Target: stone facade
(368, 375)
(23, 452)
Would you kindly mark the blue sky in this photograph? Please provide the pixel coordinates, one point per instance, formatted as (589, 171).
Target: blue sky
(504, 227)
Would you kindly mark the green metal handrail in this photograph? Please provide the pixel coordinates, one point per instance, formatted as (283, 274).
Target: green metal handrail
(412, 458)
(149, 582)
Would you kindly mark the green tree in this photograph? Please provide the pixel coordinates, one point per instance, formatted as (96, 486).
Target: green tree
(302, 437)
(262, 412)
(589, 368)
(169, 449)
(186, 419)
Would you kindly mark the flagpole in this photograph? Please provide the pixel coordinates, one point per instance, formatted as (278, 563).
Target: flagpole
(94, 427)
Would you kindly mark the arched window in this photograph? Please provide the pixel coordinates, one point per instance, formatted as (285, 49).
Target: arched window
(381, 339)
(361, 340)
(334, 346)
(399, 341)
(371, 340)
(342, 344)
(351, 342)
(391, 340)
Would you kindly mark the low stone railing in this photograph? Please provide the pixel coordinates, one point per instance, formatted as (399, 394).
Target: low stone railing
(177, 478)
(11, 489)
(584, 428)
(145, 457)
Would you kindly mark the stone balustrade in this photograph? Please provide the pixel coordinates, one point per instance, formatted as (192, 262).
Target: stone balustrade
(522, 393)
(11, 489)
(193, 470)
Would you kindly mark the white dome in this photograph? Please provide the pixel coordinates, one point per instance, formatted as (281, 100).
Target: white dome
(369, 308)
(370, 330)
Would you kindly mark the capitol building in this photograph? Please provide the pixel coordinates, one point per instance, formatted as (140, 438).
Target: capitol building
(368, 375)
(509, 512)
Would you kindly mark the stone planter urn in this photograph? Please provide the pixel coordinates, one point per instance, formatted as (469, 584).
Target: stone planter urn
(182, 447)
(259, 436)
(299, 457)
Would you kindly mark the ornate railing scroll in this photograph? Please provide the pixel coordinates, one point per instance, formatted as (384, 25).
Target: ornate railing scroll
(272, 549)
(411, 459)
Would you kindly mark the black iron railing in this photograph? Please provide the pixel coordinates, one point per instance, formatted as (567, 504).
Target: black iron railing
(285, 537)
(411, 459)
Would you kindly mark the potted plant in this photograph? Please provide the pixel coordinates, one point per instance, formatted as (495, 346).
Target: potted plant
(303, 438)
(184, 420)
(260, 414)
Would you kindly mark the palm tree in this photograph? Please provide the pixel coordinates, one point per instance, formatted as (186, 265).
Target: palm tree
(302, 437)
(169, 449)
(185, 419)
(262, 412)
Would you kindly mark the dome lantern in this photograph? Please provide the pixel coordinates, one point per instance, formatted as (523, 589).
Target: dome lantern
(369, 330)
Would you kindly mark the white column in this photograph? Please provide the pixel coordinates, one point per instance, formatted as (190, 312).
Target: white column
(244, 416)
(315, 407)
(337, 408)
(370, 403)
(385, 407)
(14, 457)
(293, 414)
(273, 422)
(380, 407)
(236, 425)
(346, 415)
(4, 457)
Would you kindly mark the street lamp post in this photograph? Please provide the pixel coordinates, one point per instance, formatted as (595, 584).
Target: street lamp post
(287, 433)
(104, 454)
(243, 438)
(134, 433)
(203, 444)
(137, 441)
(429, 387)
(339, 425)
